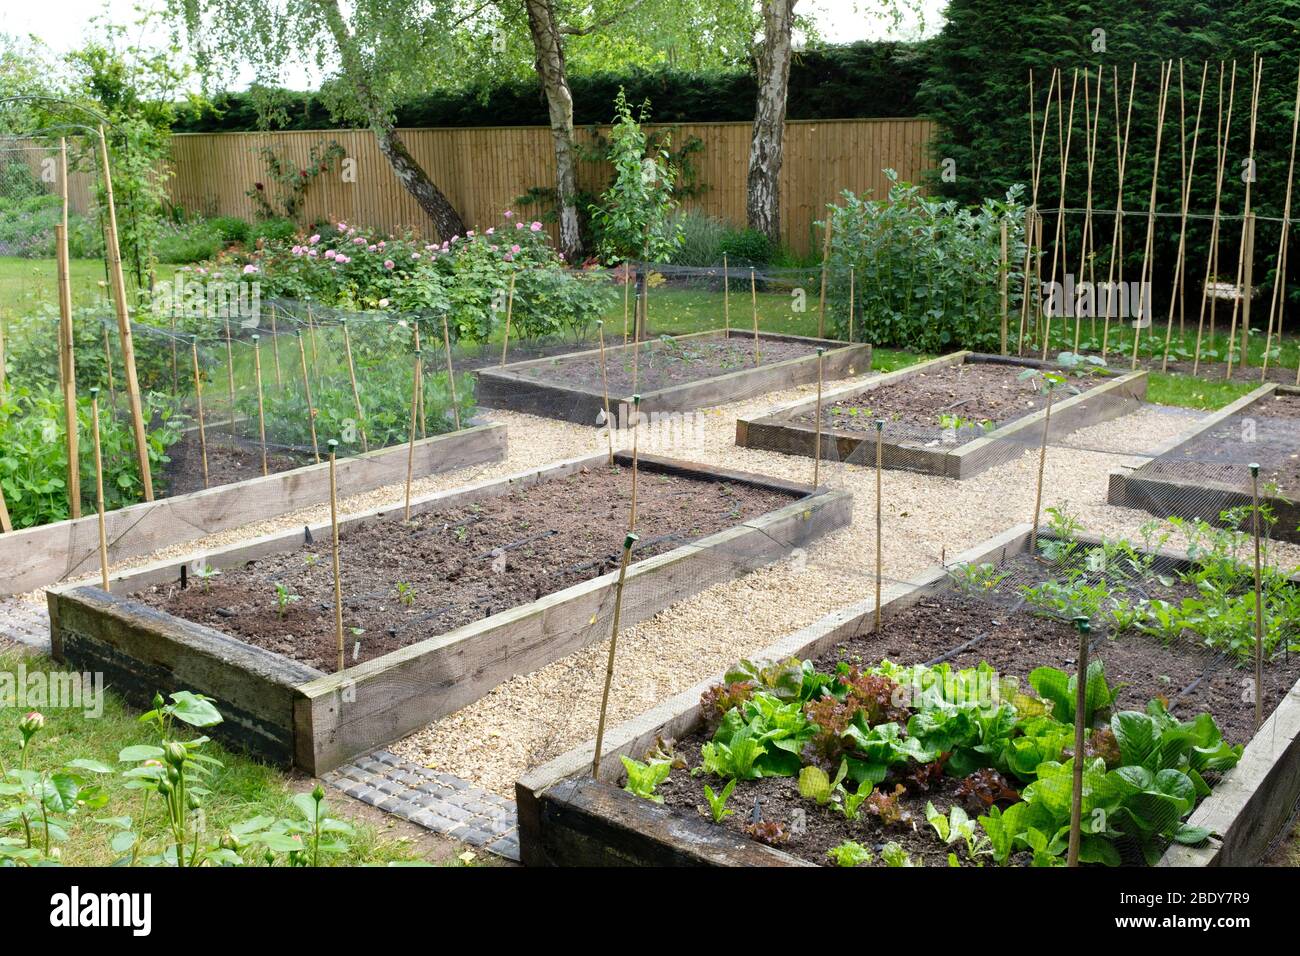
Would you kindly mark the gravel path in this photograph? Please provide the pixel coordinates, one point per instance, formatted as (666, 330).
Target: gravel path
(534, 717)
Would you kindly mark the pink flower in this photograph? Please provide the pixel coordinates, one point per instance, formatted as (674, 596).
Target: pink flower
(359, 241)
(509, 257)
(455, 239)
(312, 253)
(469, 233)
(519, 225)
(493, 248)
(491, 231)
(249, 269)
(381, 243)
(536, 226)
(515, 249)
(342, 258)
(330, 253)
(296, 250)
(383, 303)
(389, 263)
(415, 255)
(371, 248)
(314, 239)
(508, 214)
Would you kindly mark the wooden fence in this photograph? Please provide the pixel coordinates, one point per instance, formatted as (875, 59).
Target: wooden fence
(483, 171)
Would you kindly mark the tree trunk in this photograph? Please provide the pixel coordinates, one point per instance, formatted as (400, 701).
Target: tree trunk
(762, 201)
(549, 60)
(446, 220)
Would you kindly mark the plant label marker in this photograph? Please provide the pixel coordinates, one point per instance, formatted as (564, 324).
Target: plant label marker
(1080, 728)
(118, 282)
(1259, 600)
(356, 394)
(510, 304)
(880, 431)
(817, 452)
(410, 452)
(636, 432)
(261, 410)
(334, 543)
(306, 384)
(630, 540)
(99, 488)
(451, 372)
(198, 398)
(604, 386)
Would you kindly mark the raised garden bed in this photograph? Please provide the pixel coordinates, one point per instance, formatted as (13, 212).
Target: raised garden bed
(486, 582)
(673, 374)
(954, 416)
(1205, 471)
(948, 617)
(47, 554)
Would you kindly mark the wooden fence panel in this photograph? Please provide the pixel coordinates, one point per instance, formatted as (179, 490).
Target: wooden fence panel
(484, 170)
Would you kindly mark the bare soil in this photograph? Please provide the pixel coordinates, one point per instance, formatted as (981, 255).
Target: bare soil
(229, 460)
(978, 395)
(663, 363)
(964, 630)
(405, 582)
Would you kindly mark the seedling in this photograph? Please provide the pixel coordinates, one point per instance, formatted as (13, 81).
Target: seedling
(205, 574)
(405, 593)
(283, 598)
(718, 801)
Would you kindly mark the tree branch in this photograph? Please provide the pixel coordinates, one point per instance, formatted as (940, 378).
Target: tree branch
(600, 24)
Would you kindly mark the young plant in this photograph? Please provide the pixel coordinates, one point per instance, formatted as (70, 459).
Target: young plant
(718, 801)
(205, 573)
(849, 853)
(405, 593)
(815, 784)
(283, 598)
(893, 854)
(957, 825)
(642, 778)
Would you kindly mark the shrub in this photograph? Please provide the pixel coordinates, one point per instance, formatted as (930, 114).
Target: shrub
(230, 228)
(746, 246)
(273, 230)
(189, 242)
(702, 237)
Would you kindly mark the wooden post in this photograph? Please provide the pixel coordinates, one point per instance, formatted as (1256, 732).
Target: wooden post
(68, 371)
(821, 305)
(334, 543)
(1036, 146)
(753, 301)
(410, 451)
(261, 411)
(1042, 466)
(99, 488)
(1189, 168)
(880, 432)
(851, 303)
(419, 398)
(124, 328)
(1242, 301)
(1212, 258)
(636, 434)
(306, 384)
(352, 376)
(275, 350)
(630, 540)
(198, 398)
(604, 386)
(451, 372)
(510, 304)
(311, 337)
(1259, 600)
(726, 298)
(1278, 302)
(1028, 279)
(817, 456)
(1166, 77)
(5, 524)
(1080, 731)
(1065, 135)
(1002, 275)
(627, 282)
(230, 374)
(108, 366)
(1117, 236)
(1090, 160)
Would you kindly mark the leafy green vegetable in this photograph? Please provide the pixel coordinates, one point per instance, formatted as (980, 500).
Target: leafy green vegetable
(849, 853)
(642, 778)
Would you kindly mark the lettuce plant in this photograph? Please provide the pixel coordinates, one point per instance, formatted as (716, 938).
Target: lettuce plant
(718, 801)
(642, 778)
(849, 853)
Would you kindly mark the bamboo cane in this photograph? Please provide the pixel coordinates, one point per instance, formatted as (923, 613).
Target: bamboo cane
(880, 431)
(604, 387)
(1002, 283)
(1042, 467)
(726, 298)
(261, 409)
(1279, 284)
(630, 540)
(68, 371)
(99, 489)
(410, 449)
(108, 365)
(334, 547)
(198, 398)
(1090, 160)
(1240, 302)
(419, 399)
(311, 337)
(636, 433)
(1117, 236)
(817, 456)
(356, 393)
(1166, 78)
(124, 328)
(1080, 730)
(510, 304)
(821, 305)
(275, 350)
(1189, 170)
(306, 384)
(1031, 214)
(1259, 600)
(1222, 131)
(627, 281)
(230, 374)
(851, 303)
(753, 301)
(451, 372)
(5, 524)
(1065, 132)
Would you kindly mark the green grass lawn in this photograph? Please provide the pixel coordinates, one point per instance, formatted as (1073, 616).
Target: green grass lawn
(241, 787)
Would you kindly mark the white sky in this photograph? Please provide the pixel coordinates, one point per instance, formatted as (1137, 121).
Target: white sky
(64, 24)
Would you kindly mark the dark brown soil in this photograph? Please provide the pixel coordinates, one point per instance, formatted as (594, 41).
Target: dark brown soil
(1014, 641)
(665, 363)
(1267, 433)
(1217, 371)
(981, 395)
(403, 583)
(229, 460)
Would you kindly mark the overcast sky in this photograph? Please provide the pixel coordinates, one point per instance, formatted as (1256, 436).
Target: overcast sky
(62, 24)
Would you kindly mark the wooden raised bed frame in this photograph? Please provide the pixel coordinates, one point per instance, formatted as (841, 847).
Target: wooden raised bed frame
(777, 430)
(507, 387)
(291, 713)
(568, 819)
(1162, 497)
(47, 554)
